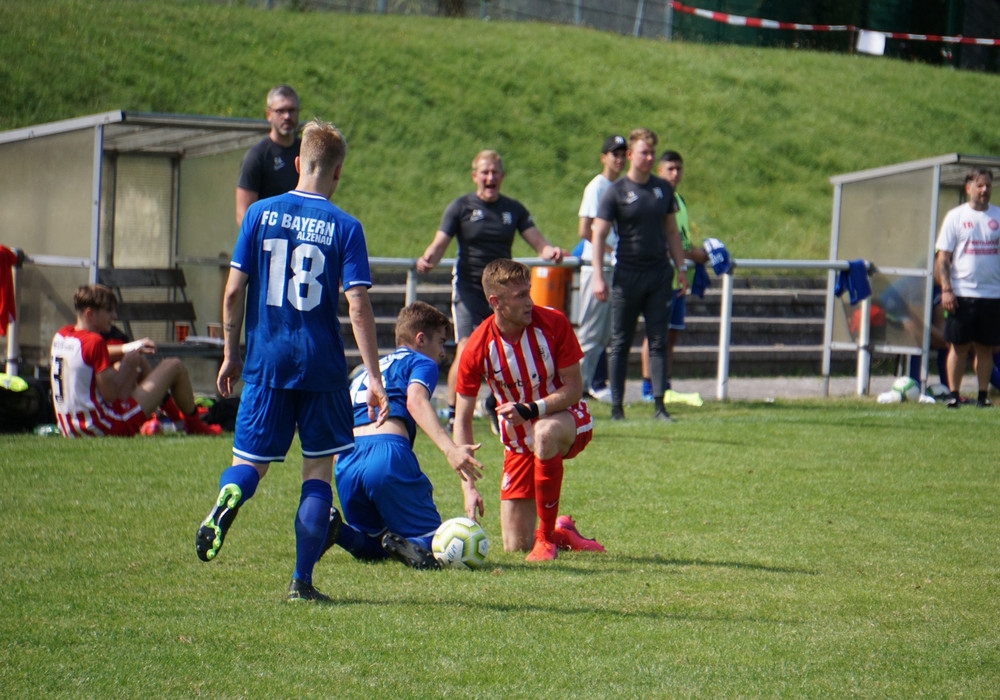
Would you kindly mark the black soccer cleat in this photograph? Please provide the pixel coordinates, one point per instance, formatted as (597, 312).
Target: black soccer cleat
(408, 553)
(213, 530)
(301, 591)
(334, 530)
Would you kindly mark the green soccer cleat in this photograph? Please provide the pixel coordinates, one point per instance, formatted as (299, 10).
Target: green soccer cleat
(213, 531)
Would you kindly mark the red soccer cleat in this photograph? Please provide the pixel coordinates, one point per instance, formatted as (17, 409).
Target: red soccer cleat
(151, 427)
(544, 550)
(194, 425)
(566, 536)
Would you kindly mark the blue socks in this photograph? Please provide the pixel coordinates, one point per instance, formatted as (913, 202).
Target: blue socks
(311, 524)
(244, 476)
(358, 544)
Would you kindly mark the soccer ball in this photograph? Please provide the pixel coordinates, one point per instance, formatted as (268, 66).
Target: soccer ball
(907, 388)
(937, 391)
(460, 543)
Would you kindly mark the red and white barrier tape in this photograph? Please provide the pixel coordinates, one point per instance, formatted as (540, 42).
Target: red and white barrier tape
(740, 21)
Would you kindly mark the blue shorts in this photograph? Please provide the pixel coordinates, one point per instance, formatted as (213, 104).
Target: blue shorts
(380, 486)
(266, 422)
(677, 311)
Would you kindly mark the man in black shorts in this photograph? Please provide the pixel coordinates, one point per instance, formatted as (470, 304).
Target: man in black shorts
(484, 222)
(967, 266)
(642, 208)
(268, 168)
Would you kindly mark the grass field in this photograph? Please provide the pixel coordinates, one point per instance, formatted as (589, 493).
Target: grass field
(798, 548)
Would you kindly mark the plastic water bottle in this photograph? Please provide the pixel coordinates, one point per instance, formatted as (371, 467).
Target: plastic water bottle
(47, 430)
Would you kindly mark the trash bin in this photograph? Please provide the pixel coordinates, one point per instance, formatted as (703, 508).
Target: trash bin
(549, 286)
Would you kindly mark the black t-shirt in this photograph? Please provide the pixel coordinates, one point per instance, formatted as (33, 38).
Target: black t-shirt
(485, 231)
(637, 212)
(269, 169)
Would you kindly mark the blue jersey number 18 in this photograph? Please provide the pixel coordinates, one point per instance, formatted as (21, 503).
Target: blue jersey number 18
(304, 290)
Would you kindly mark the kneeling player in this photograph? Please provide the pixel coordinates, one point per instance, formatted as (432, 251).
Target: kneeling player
(530, 359)
(387, 500)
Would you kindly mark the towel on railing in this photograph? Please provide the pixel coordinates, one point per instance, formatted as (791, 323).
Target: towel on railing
(8, 305)
(855, 281)
(718, 256)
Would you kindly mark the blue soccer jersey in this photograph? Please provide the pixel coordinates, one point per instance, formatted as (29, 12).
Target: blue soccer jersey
(400, 368)
(298, 250)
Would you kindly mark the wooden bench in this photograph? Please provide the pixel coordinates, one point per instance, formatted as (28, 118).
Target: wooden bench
(174, 308)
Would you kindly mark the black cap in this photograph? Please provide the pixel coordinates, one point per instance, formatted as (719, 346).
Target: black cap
(614, 143)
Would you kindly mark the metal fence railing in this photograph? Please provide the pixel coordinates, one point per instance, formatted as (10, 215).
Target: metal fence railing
(408, 267)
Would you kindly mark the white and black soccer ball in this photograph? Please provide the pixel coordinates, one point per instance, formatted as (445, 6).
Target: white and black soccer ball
(907, 388)
(938, 392)
(460, 543)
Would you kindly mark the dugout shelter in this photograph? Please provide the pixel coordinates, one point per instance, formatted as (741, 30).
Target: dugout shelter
(890, 216)
(119, 190)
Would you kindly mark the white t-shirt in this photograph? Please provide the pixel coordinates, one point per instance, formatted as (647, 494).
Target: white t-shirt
(588, 207)
(973, 239)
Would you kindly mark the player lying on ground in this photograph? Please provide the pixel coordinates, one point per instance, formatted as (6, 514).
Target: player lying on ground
(387, 500)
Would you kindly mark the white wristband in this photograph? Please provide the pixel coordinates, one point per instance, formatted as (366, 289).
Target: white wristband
(541, 407)
(683, 268)
(134, 345)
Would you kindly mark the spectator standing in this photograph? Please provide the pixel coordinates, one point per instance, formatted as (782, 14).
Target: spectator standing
(387, 500)
(671, 169)
(530, 360)
(268, 168)
(95, 395)
(642, 207)
(485, 223)
(594, 324)
(293, 253)
(967, 266)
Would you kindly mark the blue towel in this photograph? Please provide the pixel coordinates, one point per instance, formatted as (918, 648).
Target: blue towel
(855, 281)
(578, 250)
(700, 281)
(718, 256)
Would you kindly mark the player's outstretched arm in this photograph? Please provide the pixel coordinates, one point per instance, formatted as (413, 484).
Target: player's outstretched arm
(363, 323)
(460, 457)
(545, 250)
(435, 251)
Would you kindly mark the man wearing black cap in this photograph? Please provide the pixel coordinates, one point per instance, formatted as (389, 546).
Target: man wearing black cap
(594, 321)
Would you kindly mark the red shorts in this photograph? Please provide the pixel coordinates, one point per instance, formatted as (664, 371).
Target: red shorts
(519, 467)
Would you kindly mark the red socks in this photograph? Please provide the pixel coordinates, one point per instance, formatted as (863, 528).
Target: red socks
(548, 486)
(172, 410)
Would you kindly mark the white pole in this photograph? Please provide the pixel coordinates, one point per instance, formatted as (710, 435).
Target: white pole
(725, 334)
(864, 347)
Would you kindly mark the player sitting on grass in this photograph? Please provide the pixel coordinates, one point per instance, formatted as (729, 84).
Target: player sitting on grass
(387, 500)
(94, 395)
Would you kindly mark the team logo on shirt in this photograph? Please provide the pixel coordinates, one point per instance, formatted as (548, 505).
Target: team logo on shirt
(993, 225)
(508, 218)
(279, 163)
(477, 215)
(658, 192)
(631, 197)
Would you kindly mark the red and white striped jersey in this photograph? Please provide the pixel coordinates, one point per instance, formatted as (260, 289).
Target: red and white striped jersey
(77, 357)
(524, 371)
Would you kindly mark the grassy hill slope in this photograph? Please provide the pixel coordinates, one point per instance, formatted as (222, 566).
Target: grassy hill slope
(761, 130)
